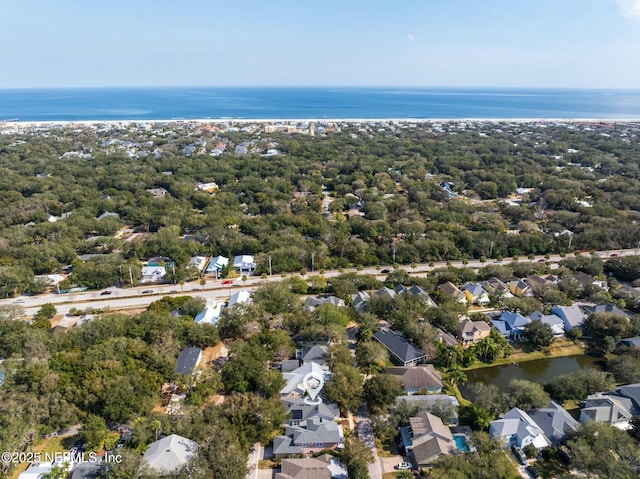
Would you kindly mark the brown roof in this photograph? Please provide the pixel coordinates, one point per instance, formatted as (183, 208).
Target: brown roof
(418, 377)
(307, 468)
(430, 437)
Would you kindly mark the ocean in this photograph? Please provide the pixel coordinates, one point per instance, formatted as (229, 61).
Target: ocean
(78, 104)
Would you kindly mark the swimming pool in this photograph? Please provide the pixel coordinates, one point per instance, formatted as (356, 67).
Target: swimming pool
(461, 442)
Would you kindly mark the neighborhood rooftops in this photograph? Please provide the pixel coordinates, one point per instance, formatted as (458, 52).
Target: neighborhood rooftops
(170, 454)
(188, 360)
(402, 350)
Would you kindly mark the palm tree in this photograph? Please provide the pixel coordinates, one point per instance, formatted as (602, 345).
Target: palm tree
(481, 417)
(156, 425)
(203, 282)
(455, 375)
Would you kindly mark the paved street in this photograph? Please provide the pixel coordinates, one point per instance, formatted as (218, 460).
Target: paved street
(132, 297)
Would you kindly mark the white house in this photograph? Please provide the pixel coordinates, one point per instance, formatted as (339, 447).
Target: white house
(170, 454)
(210, 314)
(153, 274)
(245, 264)
(216, 265)
(517, 428)
(198, 262)
(240, 297)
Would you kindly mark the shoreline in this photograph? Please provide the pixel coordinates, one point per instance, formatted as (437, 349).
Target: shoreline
(204, 121)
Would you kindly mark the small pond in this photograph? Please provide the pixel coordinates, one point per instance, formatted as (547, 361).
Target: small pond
(540, 370)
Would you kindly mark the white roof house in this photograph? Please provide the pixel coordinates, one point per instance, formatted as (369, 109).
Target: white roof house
(217, 264)
(210, 314)
(38, 470)
(297, 380)
(244, 263)
(153, 273)
(517, 428)
(170, 454)
(198, 262)
(240, 297)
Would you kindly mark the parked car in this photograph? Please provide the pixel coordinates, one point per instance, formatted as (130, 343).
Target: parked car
(385, 271)
(533, 472)
(542, 260)
(147, 291)
(403, 465)
(104, 293)
(520, 455)
(614, 255)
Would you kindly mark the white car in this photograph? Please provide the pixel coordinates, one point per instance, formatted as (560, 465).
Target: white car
(403, 465)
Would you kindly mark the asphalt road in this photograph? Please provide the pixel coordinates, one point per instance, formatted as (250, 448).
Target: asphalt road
(121, 298)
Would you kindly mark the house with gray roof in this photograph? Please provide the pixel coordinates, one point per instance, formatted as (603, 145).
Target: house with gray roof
(417, 378)
(310, 436)
(554, 421)
(606, 308)
(297, 380)
(385, 292)
(188, 361)
(497, 287)
(476, 294)
(602, 407)
(426, 438)
(359, 301)
(571, 316)
(170, 454)
(551, 320)
(311, 304)
(446, 338)
(471, 332)
(517, 428)
(403, 351)
(298, 411)
(630, 342)
(418, 292)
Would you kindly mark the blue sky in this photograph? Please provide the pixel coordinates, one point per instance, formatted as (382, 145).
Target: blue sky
(516, 43)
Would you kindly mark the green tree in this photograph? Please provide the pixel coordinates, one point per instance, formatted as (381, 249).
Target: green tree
(538, 334)
(355, 457)
(381, 391)
(345, 387)
(527, 395)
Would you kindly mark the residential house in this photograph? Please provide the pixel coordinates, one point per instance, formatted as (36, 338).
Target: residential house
(208, 187)
(311, 436)
(109, 214)
(446, 338)
(539, 284)
(239, 297)
(197, 262)
(551, 320)
(630, 342)
(584, 280)
(511, 325)
(153, 274)
(476, 294)
(216, 265)
(188, 361)
(170, 455)
(606, 308)
(417, 291)
(520, 289)
(613, 410)
(210, 314)
(403, 351)
(306, 468)
(450, 290)
(571, 316)
(317, 353)
(311, 304)
(386, 293)
(307, 379)
(516, 427)
(299, 410)
(87, 470)
(416, 379)
(471, 332)
(554, 421)
(39, 470)
(158, 192)
(245, 264)
(426, 439)
(497, 287)
(359, 301)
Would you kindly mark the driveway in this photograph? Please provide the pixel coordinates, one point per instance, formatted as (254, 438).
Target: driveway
(365, 433)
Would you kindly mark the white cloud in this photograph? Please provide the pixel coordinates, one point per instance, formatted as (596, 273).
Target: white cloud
(629, 8)
(410, 36)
